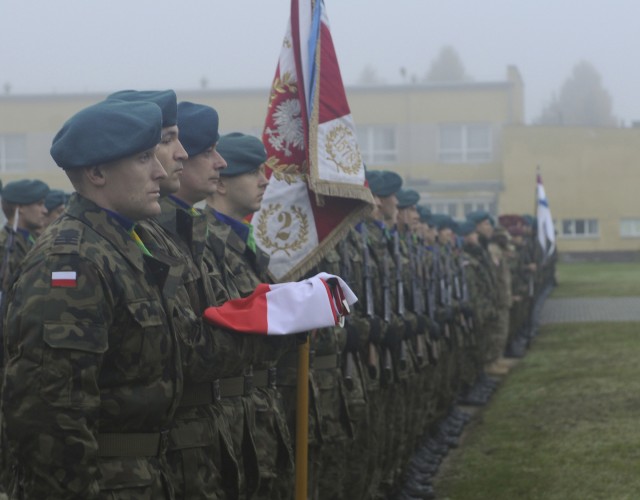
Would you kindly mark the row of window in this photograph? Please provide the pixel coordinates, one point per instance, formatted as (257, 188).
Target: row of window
(457, 143)
(13, 152)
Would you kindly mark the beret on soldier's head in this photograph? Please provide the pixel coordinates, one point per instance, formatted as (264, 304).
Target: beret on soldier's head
(165, 99)
(515, 230)
(443, 221)
(479, 216)
(108, 131)
(425, 214)
(384, 183)
(509, 220)
(55, 198)
(198, 126)
(527, 219)
(243, 153)
(465, 228)
(407, 198)
(25, 192)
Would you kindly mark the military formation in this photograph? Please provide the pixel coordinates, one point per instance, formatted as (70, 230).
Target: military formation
(115, 387)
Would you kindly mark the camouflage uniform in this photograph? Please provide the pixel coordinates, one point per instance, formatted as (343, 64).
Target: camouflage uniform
(200, 448)
(22, 243)
(92, 374)
(499, 335)
(264, 437)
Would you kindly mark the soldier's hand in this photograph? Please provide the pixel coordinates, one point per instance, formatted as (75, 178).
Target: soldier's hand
(375, 330)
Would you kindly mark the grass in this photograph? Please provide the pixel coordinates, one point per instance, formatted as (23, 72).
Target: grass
(595, 279)
(564, 425)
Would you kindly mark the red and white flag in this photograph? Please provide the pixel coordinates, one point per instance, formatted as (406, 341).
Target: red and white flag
(317, 183)
(286, 308)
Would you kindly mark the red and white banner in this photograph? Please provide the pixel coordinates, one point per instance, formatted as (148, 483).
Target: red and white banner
(317, 182)
(286, 308)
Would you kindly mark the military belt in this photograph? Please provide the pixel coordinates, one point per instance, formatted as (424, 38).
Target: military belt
(325, 362)
(132, 444)
(210, 392)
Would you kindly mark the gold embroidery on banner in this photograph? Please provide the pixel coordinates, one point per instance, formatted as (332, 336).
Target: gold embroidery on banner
(284, 232)
(283, 85)
(288, 173)
(342, 149)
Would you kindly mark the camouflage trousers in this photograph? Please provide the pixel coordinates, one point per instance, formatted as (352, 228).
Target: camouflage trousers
(498, 335)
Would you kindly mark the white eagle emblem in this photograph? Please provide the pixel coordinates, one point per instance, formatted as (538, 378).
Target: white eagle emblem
(289, 132)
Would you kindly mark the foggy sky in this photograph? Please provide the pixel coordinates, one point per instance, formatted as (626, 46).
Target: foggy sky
(67, 46)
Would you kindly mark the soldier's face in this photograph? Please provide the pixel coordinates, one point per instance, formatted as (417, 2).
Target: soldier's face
(389, 209)
(132, 185)
(471, 239)
(32, 217)
(53, 215)
(171, 155)
(445, 236)
(376, 214)
(244, 192)
(485, 228)
(201, 175)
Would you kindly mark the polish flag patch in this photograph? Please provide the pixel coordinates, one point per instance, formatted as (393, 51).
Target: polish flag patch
(63, 279)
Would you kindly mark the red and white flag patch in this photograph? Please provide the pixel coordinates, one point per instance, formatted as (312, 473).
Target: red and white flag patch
(63, 279)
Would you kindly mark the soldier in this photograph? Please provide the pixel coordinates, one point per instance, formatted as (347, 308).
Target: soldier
(93, 375)
(237, 196)
(23, 206)
(55, 203)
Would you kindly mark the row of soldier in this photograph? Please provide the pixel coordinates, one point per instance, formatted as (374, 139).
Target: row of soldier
(113, 384)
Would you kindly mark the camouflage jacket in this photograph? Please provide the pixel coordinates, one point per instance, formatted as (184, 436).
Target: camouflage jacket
(87, 356)
(14, 255)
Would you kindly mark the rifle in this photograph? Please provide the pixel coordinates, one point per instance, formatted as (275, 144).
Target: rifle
(346, 272)
(465, 287)
(416, 263)
(8, 248)
(400, 288)
(373, 359)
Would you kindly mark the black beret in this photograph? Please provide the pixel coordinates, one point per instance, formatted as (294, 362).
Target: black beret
(243, 153)
(55, 198)
(106, 132)
(465, 228)
(165, 99)
(384, 183)
(407, 198)
(425, 214)
(198, 126)
(478, 216)
(25, 192)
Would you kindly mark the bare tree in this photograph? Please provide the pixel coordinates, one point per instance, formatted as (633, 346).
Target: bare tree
(582, 101)
(447, 67)
(369, 76)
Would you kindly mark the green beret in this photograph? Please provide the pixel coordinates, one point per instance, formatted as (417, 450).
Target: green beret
(54, 199)
(425, 214)
(443, 221)
(243, 153)
(528, 219)
(108, 131)
(198, 126)
(384, 183)
(465, 228)
(165, 99)
(478, 216)
(24, 192)
(407, 198)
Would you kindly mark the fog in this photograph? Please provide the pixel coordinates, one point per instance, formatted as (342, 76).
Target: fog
(69, 46)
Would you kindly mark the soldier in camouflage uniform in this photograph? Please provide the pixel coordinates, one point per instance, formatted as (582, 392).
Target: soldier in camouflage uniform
(93, 376)
(23, 206)
(238, 195)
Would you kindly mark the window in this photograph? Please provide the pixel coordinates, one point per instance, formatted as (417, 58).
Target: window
(465, 143)
(580, 228)
(377, 144)
(485, 206)
(13, 152)
(443, 207)
(630, 228)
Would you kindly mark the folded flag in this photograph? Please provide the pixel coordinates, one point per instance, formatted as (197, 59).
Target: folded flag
(286, 308)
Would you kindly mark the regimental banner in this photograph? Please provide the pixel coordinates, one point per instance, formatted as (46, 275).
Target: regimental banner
(546, 229)
(317, 182)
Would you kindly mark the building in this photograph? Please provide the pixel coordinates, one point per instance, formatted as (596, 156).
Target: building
(462, 146)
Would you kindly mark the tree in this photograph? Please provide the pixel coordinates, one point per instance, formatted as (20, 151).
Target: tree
(369, 76)
(582, 101)
(447, 67)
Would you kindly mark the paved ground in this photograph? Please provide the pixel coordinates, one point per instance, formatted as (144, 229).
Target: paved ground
(590, 310)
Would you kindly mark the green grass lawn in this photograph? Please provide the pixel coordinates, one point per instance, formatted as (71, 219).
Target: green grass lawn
(564, 425)
(597, 279)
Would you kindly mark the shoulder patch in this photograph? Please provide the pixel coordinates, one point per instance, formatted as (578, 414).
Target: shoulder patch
(67, 241)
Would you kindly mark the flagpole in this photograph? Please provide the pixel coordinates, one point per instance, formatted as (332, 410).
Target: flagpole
(302, 421)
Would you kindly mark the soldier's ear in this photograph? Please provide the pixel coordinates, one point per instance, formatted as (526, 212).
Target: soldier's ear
(95, 175)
